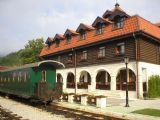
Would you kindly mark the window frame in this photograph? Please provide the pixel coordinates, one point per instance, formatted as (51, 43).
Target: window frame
(118, 22)
(82, 35)
(100, 28)
(84, 55)
(120, 49)
(44, 75)
(102, 52)
(68, 39)
(70, 58)
(57, 43)
(59, 58)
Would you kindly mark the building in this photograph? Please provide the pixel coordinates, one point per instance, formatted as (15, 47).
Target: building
(93, 55)
(3, 68)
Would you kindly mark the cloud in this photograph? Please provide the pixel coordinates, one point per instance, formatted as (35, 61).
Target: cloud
(23, 20)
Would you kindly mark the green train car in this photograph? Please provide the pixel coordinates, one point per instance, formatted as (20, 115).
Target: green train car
(36, 81)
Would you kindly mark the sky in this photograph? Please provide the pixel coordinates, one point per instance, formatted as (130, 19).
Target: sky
(23, 20)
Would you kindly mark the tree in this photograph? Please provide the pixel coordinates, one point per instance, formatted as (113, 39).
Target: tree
(31, 51)
(11, 59)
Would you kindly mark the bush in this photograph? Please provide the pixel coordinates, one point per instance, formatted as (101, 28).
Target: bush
(154, 86)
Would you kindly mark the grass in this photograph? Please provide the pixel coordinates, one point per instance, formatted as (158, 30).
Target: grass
(147, 111)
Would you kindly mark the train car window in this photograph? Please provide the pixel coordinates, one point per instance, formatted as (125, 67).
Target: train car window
(0, 79)
(14, 74)
(4, 79)
(8, 79)
(19, 76)
(44, 76)
(25, 76)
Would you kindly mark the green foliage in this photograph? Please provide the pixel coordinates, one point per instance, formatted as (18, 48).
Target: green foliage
(151, 112)
(154, 86)
(27, 55)
(11, 59)
(31, 51)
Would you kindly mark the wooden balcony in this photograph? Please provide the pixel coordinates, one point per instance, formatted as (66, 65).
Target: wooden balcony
(122, 86)
(70, 85)
(103, 86)
(82, 85)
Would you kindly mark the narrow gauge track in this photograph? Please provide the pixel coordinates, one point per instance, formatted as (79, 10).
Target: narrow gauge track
(77, 114)
(8, 115)
(67, 112)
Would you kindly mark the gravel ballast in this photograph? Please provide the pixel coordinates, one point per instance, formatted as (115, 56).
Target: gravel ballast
(29, 112)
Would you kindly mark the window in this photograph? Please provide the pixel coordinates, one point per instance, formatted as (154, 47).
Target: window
(25, 76)
(14, 75)
(68, 39)
(70, 57)
(20, 77)
(119, 22)
(44, 76)
(57, 42)
(84, 55)
(8, 78)
(82, 34)
(100, 28)
(59, 58)
(101, 52)
(120, 49)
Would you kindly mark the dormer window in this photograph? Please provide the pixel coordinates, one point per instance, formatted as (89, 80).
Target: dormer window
(49, 42)
(82, 34)
(68, 38)
(57, 42)
(100, 28)
(119, 22)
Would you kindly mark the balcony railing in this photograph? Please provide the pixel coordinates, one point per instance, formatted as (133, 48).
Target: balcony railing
(103, 86)
(70, 85)
(82, 85)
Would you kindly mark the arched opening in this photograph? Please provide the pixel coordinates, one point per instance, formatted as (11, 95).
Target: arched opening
(70, 80)
(84, 80)
(59, 84)
(121, 80)
(103, 80)
(59, 78)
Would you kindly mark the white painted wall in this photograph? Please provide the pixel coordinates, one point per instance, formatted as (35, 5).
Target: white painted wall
(151, 69)
(112, 69)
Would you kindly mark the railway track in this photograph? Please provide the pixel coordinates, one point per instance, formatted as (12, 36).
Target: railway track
(77, 114)
(8, 115)
(56, 110)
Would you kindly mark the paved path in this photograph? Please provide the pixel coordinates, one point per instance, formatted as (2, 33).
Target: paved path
(116, 108)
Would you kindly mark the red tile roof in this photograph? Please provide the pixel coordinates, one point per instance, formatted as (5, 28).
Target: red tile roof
(148, 27)
(157, 24)
(132, 24)
(3, 68)
(84, 26)
(58, 36)
(70, 32)
(100, 19)
(116, 11)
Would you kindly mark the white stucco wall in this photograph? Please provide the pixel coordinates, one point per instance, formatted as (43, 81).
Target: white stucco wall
(151, 69)
(112, 69)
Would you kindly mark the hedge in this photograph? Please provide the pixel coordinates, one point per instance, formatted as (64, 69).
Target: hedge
(154, 86)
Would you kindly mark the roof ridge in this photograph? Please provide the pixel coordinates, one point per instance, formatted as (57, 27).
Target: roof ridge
(148, 22)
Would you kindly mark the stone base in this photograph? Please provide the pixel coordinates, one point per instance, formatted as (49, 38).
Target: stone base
(101, 102)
